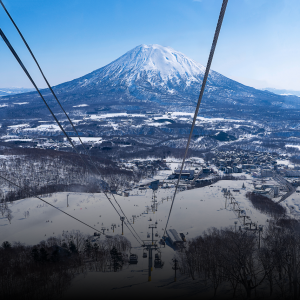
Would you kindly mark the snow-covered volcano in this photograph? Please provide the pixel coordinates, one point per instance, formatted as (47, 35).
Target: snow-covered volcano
(151, 77)
(156, 61)
(163, 76)
(146, 65)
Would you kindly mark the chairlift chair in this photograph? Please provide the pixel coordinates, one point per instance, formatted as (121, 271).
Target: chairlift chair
(144, 254)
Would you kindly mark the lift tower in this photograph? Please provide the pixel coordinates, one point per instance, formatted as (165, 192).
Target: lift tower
(150, 248)
(154, 187)
(152, 227)
(133, 217)
(122, 219)
(113, 226)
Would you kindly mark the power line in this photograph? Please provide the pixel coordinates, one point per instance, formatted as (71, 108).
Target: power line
(48, 84)
(39, 67)
(120, 217)
(32, 81)
(52, 205)
(213, 47)
(126, 218)
(54, 95)
(64, 211)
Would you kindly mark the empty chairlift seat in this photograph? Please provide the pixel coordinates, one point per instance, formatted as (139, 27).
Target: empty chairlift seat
(157, 261)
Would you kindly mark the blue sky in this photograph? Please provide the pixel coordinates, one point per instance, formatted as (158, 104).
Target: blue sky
(259, 43)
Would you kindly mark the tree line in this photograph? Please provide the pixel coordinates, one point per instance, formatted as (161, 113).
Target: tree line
(246, 263)
(45, 270)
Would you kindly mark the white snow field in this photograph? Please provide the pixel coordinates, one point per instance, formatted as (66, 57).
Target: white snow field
(86, 139)
(193, 212)
(292, 204)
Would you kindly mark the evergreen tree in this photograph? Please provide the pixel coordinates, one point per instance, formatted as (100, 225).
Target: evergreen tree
(116, 259)
(64, 245)
(55, 255)
(72, 248)
(95, 250)
(35, 254)
(44, 256)
(6, 245)
(88, 248)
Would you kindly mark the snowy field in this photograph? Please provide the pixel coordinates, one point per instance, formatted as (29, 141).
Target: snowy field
(292, 204)
(193, 212)
(86, 139)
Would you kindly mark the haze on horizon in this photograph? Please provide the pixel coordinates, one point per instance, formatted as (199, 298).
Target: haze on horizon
(257, 44)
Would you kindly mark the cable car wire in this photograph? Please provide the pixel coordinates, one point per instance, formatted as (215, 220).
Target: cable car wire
(54, 95)
(32, 81)
(52, 205)
(213, 47)
(48, 84)
(33, 196)
(37, 89)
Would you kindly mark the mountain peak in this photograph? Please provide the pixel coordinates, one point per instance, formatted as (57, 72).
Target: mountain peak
(156, 60)
(150, 76)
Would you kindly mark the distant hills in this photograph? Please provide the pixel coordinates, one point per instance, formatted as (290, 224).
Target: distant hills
(14, 90)
(282, 92)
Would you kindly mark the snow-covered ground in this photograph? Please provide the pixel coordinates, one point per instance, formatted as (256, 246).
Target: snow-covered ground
(283, 162)
(86, 139)
(292, 146)
(194, 211)
(81, 105)
(292, 203)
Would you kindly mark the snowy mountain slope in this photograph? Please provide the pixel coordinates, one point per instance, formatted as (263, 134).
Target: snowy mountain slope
(151, 78)
(155, 72)
(158, 64)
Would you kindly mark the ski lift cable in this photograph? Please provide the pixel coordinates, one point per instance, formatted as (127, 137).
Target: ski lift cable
(53, 93)
(64, 211)
(28, 75)
(213, 47)
(32, 81)
(126, 217)
(53, 206)
(37, 89)
(49, 86)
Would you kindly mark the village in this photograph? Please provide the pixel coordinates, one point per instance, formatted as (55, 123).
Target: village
(272, 174)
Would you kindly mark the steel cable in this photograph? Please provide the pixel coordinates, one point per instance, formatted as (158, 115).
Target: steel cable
(32, 81)
(51, 205)
(54, 95)
(213, 47)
